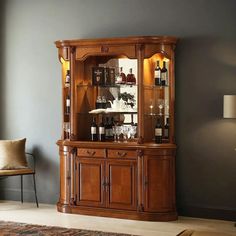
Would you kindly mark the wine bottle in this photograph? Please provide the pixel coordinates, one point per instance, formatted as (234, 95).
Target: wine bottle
(130, 79)
(66, 127)
(166, 129)
(164, 78)
(157, 74)
(94, 136)
(99, 104)
(98, 76)
(67, 80)
(107, 80)
(158, 131)
(107, 129)
(68, 104)
(112, 76)
(112, 128)
(104, 102)
(101, 131)
(121, 77)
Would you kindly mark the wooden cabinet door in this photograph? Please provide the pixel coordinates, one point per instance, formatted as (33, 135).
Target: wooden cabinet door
(159, 190)
(121, 191)
(90, 185)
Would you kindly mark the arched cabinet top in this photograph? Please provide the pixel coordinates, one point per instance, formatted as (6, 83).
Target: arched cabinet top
(127, 46)
(125, 40)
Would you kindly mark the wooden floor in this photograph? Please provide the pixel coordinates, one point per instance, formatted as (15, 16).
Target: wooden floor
(48, 215)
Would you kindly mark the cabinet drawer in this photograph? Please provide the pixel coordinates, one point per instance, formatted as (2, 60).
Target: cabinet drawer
(160, 152)
(119, 153)
(90, 152)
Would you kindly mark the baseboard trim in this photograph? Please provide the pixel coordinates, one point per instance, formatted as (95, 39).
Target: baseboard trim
(15, 194)
(208, 213)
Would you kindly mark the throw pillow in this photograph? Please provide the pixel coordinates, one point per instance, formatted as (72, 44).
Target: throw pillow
(12, 154)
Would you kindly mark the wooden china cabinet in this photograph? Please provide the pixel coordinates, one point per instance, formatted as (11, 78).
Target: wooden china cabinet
(128, 170)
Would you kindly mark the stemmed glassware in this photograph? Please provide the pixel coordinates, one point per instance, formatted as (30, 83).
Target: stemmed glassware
(161, 104)
(151, 106)
(117, 131)
(133, 131)
(167, 107)
(125, 131)
(114, 133)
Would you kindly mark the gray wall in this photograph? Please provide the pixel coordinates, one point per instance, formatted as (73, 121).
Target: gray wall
(205, 70)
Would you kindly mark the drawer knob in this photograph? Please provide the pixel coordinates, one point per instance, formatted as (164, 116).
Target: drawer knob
(104, 49)
(91, 153)
(121, 154)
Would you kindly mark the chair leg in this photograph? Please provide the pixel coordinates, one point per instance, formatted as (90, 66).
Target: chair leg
(21, 187)
(36, 199)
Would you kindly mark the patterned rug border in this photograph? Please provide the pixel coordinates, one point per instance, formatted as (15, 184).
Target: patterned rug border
(11, 228)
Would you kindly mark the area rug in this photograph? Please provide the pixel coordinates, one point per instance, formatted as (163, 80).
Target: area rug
(190, 232)
(19, 229)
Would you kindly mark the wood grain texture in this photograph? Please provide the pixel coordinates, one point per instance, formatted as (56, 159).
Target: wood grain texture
(133, 180)
(122, 187)
(90, 182)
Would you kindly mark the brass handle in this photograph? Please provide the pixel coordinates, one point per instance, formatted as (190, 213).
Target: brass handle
(107, 184)
(121, 154)
(91, 153)
(103, 184)
(104, 49)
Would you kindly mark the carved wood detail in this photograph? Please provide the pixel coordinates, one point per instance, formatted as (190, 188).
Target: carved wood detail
(136, 179)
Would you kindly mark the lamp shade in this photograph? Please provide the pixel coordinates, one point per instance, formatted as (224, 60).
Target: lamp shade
(229, 106)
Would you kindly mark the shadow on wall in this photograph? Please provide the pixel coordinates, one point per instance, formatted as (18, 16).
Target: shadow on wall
(10, 187)
(205, 71)
(2, 66)
(47, 177)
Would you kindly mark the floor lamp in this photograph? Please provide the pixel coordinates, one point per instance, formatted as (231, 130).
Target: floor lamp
(229, 109)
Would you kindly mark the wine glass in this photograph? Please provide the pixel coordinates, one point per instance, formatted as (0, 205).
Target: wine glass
(132, 131)
(151, 106)
(114, 133)
(161, 104)
(125, 131)
(167, 107)
(118, 130)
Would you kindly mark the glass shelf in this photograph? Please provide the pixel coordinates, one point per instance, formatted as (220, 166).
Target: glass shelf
(108, 86)
(156, 86)
(104, 112)
(155, 114)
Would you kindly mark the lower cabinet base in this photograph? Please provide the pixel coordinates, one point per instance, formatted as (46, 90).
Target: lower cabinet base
(123, 214)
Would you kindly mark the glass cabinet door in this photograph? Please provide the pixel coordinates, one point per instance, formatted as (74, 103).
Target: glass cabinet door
(66, 86)
(156, 86)
(118, 99)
